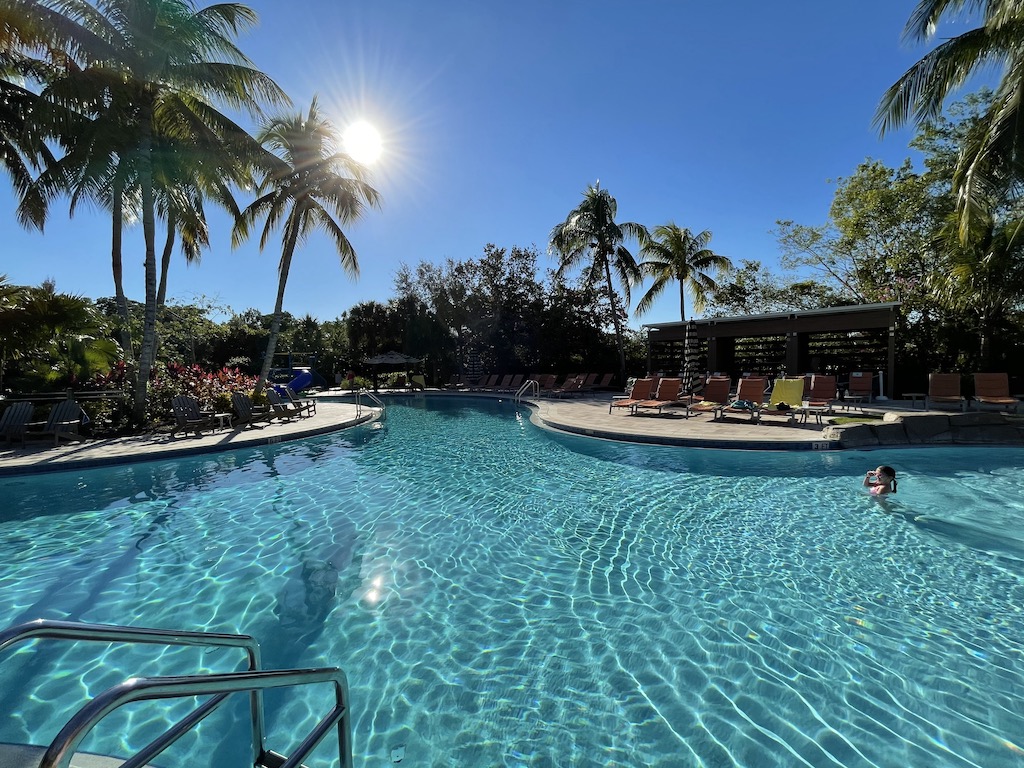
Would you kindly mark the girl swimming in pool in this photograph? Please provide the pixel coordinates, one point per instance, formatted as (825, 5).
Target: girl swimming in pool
(881, 481)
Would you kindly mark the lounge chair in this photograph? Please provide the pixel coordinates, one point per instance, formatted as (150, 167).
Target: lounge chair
(786, 392)
(667, 394)
(515, 384)
(714, 394)
(604, 383)
(280, 408)
(992, 390)
(189, 418)
(490, 383)
(824, 391)
(943, 391)
(640, 391)
(247, 413)
(15, 419)
(749, 391)
(572, 388)
(63, 422)
(308, 403)
(545, 383)
(862, 385)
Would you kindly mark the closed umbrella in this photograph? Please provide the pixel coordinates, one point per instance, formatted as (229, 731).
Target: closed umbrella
(691, 358)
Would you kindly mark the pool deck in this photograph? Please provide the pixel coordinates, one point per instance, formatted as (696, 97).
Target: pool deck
(587, 416)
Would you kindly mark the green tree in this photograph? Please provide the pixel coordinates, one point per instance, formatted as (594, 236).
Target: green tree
(591, 237)
(310, 186)
(675, 254)
(145, 70)
(994, 154)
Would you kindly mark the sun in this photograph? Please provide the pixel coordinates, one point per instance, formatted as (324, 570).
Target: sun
(362, 141)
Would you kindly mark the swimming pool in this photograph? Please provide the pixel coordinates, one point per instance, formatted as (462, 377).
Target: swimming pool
(502, 595)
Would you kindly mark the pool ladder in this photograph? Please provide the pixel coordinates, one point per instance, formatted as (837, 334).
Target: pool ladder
(530, 385)
(372, 398)
(219, 686)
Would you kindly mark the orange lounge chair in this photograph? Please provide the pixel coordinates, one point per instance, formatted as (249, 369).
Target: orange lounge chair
(604, 383)
(750, 390)
(824, 390)
(640, 391)
(715, 393)
(862, 384)
(993, 390)
(943, 390)
(572, 388)
(668, 394)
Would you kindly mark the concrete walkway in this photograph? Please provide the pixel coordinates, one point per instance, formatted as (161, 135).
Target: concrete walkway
(903, 424)
(41, 456)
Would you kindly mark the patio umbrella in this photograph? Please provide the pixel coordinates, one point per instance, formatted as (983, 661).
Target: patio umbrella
(691, 358)
(391, 358)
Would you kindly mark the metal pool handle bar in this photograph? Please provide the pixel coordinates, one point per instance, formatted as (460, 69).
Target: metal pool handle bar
(373, 398)
(530, 384)
(219, 686)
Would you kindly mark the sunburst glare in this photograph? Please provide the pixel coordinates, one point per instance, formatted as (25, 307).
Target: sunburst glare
(362, 141)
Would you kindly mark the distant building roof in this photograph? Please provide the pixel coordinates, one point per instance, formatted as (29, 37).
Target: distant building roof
(855, 317)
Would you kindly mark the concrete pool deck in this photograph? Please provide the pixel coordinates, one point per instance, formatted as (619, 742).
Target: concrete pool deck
(904, 423)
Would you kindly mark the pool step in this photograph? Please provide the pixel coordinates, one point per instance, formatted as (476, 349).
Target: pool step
(28, 756)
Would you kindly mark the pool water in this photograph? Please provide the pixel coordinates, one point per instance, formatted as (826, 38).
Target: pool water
(501, 595)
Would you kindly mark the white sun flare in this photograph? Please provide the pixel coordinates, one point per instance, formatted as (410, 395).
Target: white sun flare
(362, 141)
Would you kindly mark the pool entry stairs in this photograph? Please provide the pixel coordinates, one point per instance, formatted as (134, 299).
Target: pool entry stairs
(218, 687)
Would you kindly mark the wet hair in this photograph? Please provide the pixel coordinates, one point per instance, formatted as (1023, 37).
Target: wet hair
(891, 473)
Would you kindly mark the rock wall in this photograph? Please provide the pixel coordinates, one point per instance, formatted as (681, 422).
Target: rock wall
(931, 429)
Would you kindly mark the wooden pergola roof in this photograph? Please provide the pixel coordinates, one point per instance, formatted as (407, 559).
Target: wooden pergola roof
(854, 318)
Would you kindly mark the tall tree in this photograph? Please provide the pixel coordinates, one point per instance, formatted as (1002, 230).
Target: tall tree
(995, 152)
(674, 253)
(310, 186)
(146, 69)
(591, 237)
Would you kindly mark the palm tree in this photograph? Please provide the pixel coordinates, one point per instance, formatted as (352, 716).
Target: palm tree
(311, 185)
(590, 234)
(674, 253)
(996, 153)
(148, 70)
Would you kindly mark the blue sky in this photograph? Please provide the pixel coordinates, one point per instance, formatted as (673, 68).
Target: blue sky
(496, 116)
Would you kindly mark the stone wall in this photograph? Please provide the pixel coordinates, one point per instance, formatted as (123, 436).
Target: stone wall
(931, 429)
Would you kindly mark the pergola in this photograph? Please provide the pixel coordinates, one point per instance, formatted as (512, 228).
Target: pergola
(836, 340)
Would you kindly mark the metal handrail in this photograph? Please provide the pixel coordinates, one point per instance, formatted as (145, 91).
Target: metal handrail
(65, 744)
(110, 633)
(373, 398)
(531, 384)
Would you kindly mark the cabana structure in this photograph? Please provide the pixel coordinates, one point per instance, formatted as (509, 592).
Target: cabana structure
(834, 341)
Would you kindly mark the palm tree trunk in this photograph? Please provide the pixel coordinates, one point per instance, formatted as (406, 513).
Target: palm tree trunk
(275, 325)
(682, 302)
(116, 239)
(165, 261)
(147, 354)
(615, 319)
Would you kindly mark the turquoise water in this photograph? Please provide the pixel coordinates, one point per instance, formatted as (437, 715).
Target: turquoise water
(503, 596)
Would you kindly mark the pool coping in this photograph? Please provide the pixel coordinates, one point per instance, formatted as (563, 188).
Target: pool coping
(159, 447)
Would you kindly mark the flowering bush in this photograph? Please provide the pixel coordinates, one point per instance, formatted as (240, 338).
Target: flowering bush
(211, 388)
